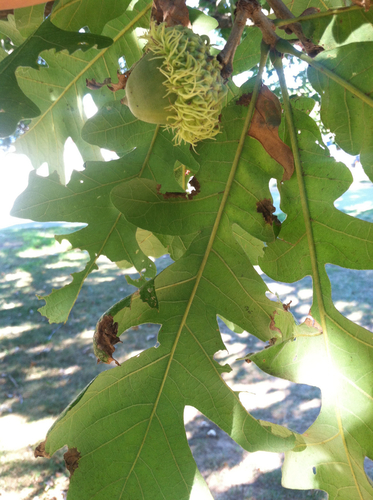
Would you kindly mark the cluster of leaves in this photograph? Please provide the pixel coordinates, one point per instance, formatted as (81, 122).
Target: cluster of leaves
(125, 431)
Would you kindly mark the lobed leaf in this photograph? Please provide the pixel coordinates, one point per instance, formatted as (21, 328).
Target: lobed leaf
(348, 114)
(136, 411)
(14, 103)
(330, 454)
(59, 89)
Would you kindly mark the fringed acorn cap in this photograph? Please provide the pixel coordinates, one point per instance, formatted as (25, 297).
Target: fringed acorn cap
(195, 89)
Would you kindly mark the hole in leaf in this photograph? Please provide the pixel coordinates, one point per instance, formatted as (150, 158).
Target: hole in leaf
(89, 106)
(352, 294)
(314, 470)
(368, 468)
(122, 64)
(295, 406)
(276, 200)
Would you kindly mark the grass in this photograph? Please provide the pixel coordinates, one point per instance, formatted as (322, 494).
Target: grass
(43, 366)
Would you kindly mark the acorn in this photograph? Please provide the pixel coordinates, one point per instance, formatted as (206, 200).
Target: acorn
(177, 83)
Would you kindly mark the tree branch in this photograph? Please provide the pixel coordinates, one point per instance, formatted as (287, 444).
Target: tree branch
(245, 9)
(282, 12)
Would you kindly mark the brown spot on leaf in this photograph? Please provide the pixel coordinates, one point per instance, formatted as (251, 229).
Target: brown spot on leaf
(266, 208)
(264, 128)
(272, 325)
(313, 323)
(40, 451)
(71, 458)
(105, 338)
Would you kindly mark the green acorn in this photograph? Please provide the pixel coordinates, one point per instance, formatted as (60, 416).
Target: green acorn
(177, 83)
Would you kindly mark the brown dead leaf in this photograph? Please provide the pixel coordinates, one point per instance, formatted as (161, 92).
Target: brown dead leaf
(106, 337)
(266, 208)
(172, 12)
(71, 458)
(93, 85)
(122, 81)
(40, 451)
(264, 128)
(114, 87)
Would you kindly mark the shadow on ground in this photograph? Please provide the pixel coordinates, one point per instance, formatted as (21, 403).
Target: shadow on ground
(43, 367)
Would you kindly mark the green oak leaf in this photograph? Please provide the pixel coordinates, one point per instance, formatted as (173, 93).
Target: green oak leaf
(58, 90)
(345, 113)
(14, 103)
(339, 360)
(127, 132)
(86, 199)
(136, 410)
(28, 19)
(342, 29)
(75, 14)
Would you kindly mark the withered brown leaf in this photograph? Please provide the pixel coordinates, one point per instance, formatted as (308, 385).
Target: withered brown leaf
(264, 128)
(94, 85)
(171, 12)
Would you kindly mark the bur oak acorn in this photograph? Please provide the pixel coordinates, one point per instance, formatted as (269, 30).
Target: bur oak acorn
(177, 83)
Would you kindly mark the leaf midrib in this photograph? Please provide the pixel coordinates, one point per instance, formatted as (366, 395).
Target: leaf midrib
(87, 66)
(214, 231)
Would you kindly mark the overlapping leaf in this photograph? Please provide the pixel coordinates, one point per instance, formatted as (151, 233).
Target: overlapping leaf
(342, 29)
(57, 90)
(86, 199)
(114, 127)
(330, 455)
(28, 19)
(76, 14)
(136, 411)
(14, 103)
(349, 115)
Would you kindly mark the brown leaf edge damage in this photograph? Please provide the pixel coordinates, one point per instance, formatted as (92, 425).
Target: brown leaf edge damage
(185, 196)
(273, 327)
(40, 451)
(266, 208)
(72, 457)
(104, 339)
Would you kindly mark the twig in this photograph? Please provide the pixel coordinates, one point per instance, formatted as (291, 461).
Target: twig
(332, 12)
(286, 48)
(13, 381)
(362, 3)
(283, 12)
(245, 9)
